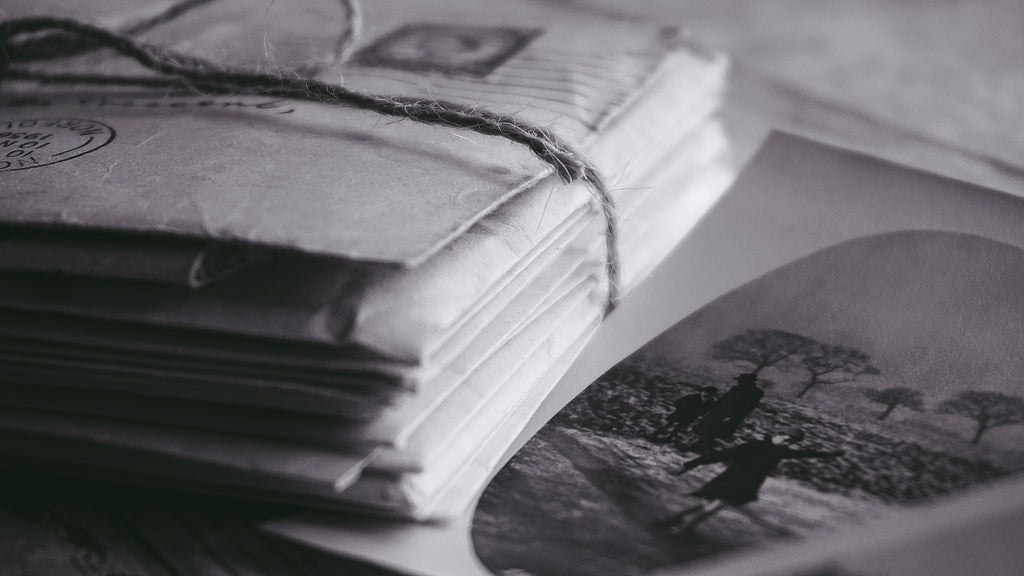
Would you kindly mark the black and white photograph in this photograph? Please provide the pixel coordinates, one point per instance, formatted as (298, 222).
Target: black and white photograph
(835, 390)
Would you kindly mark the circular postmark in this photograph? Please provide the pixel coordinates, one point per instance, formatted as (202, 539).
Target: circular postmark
(35, 142)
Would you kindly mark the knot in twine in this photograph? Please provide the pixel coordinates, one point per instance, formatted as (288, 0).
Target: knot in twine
(30, 39)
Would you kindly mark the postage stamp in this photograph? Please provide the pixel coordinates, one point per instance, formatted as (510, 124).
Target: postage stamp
(458, 50)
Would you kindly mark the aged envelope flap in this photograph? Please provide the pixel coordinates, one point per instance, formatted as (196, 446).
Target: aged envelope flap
(315, 178)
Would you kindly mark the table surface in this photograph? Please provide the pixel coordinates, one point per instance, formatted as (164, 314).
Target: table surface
(935, 85)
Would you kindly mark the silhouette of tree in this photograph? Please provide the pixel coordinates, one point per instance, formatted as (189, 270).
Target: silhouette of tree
(987, 409)
(762, 348)
(896, 396)
(833, 364)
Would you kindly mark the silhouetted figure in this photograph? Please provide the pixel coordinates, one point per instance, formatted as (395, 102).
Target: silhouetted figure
(747, 467)
(687, 410)
(726, 416)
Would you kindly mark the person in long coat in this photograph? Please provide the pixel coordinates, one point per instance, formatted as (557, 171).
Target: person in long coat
(726, 416)
(747, 467)
(687, 410)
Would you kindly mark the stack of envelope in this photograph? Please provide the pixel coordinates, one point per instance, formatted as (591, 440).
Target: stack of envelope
(320, 304)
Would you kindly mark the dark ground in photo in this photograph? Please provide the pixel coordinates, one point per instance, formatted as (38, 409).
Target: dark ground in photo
(586, 494)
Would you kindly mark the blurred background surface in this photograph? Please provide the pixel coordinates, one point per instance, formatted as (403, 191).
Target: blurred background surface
(935, 84)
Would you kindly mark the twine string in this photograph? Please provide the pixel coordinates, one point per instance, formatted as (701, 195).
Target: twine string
(198, 74)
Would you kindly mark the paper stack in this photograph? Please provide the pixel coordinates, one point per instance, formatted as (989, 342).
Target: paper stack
(321, 304)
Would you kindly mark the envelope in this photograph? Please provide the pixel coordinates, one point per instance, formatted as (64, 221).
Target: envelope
(216, 460)
(318, 179)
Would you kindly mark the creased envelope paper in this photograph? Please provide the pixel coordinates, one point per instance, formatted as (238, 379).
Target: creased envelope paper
(319, 179)
(421, 286)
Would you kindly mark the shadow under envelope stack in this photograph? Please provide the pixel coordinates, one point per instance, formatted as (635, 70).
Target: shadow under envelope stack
(319, 304)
